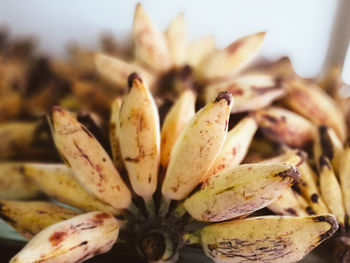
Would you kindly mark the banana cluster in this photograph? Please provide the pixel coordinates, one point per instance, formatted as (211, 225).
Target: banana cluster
(191, 156)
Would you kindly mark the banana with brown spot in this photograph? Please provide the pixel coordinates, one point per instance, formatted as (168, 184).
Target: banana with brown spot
(73, 240)
(198, 50)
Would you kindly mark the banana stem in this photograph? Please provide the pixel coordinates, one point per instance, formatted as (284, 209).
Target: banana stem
(164, 207)
(179, 211)
(150, 207)
(192, 238)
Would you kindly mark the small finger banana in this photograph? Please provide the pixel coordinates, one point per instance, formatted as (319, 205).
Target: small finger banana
(91, 165)
(73, 240)
(139, 135)
(179, 114)
(198, 50)
(344, 177)
(197, 147)
(272, 239)
(291, 157)
(232, 59)
(240, 190)
(57, 181)
(30, 217)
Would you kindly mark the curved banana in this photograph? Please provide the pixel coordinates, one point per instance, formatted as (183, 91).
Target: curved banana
(30, 217)
(73, 240)
(177, 117)
(272, 239)
(197, 147)
(291, 157)
(176, 36)
(14, 184)
(139, 136)
(240, 190)
(198, 50)
(151, 48)
(91, 165)
(251, 91)
(285, 126)
(235, 146)
(57, 181)
(344, 177)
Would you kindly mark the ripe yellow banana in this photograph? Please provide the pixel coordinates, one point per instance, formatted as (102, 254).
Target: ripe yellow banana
(57, 181)
(251, 91)
(330, 190)
(285, 126)
(198, 50)
(344, 177)
(139, 135)
(291, 157)
(91, 165)
(240, 190)
(235, 147)
(176, 36)
(14, 184)
(29, 218)
(316, 105)
(197, 147)
(73, 240)
(151, 48)
(232, 59)
(272, 239)
(179, 114)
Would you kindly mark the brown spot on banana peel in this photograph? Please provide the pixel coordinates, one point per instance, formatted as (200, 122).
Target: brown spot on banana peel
(57, 237)
(332, 221)
(293, 173)
(314, 198)
(133, 77)
(224, 95)
(326, 144)
(292, 211)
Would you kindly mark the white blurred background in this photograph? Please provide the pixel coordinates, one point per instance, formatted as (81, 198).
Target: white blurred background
(297, 28)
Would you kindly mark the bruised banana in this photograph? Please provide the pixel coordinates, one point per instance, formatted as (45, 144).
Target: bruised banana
(272, 239)
(344, 177)
(232, 59)
(251, 91)
(57, 181)
(177, 117)
(151, 48)
(197, 147)
(285, 126)
(139, 136)
(14, 184)
(91, 165)
(235, 147)
(30, 217)
(240, 190)
(198, 50)
(73, 240)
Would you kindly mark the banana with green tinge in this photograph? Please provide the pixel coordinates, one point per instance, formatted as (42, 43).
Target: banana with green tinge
(198, 50)
(73, 240)
(197, 147)
(30, 217)
(90, 163)
(177, 117)
(57, 181)
(14, 184)
(232, 59)
(344, 177)
(240, 190)
(270, 239)
(252, 91)
(139, 136)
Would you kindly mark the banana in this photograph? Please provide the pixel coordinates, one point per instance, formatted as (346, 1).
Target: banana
(176, 36)
(344, 177)
(73, 240)
(285, 126)
(92, 167)
(151, 48)
(232, 59)
(272, 239)
(57, 181)
(30, 217)
(240, 190)
(139, 135)
(291, 157)
(177, 117)
(197, 147)
(330, 189)
(251, 91)
(114, 135)
(328, 144)
(198, 50)
(289, 203)
(116, 71)
(14, 184)
(235, 147)
(316, 105)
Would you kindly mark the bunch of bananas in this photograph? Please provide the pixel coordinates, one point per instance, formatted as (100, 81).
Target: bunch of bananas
(194, 138)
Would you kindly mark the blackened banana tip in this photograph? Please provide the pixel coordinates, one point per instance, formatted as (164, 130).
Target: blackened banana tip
(224, 95)
(324, 161)
(132, 77)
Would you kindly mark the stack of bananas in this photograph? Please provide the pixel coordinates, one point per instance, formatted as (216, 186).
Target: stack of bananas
(197, 136)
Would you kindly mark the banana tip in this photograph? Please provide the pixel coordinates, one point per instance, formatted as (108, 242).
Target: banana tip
(293, 173)
(332, 221)
(132, 77)
(224, 95)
